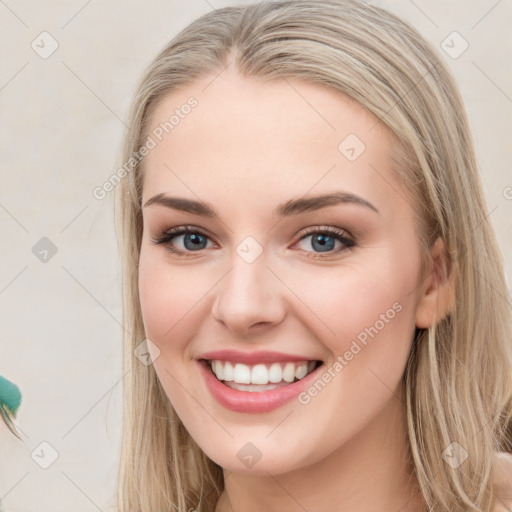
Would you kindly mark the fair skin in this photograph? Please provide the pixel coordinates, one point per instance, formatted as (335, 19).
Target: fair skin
(247, 147)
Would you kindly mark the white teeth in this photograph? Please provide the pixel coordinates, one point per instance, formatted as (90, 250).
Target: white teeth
(228, 371)
(218, 369)
(251, 387)
(261, 374)
(241, 373)
(289, 372)
(301, 371)
(275, 374)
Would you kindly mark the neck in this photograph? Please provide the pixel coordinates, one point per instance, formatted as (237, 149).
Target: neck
(369, 472)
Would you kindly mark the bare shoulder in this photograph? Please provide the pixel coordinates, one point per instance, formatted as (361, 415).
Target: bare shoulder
(503, 481)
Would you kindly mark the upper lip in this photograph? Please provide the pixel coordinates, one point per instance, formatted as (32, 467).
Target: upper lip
(251, 358)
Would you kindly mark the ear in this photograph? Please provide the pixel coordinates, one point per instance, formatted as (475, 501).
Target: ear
(436, 298)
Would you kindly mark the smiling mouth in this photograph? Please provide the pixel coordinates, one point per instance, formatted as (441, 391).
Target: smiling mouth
(260, 377)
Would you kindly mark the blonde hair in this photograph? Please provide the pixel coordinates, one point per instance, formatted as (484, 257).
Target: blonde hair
(457, 380)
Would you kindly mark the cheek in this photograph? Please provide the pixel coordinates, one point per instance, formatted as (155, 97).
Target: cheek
(164, 296)
(367, 310)
(171, 298)
(386, 328)
(370, 310)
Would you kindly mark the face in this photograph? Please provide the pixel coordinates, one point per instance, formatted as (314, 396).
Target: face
(275, 282)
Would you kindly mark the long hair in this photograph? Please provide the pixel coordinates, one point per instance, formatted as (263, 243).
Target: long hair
(458, 379)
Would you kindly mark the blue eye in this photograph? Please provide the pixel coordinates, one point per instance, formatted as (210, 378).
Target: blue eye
(323, 240)
(194, 240)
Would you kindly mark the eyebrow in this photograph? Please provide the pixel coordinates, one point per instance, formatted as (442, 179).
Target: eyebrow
(291, 207)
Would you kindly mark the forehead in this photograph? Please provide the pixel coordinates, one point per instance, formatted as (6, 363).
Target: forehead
(284, 136)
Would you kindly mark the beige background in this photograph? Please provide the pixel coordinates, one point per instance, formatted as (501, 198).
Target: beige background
(61, 125)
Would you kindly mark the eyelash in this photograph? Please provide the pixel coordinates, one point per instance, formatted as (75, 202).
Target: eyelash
(166, 236)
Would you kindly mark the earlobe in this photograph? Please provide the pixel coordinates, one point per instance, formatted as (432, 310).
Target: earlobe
(436, 300)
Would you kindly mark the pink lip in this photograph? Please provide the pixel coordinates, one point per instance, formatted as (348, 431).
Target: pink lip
(251, 358)
(253, 402)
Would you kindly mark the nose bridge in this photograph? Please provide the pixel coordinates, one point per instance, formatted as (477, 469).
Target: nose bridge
(249, 293)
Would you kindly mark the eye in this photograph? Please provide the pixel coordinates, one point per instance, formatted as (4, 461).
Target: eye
(193, 240)
(323, 239)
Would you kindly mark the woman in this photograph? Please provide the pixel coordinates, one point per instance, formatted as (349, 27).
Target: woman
(313, 292)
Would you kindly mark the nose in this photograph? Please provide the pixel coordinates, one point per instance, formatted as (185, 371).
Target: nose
(249, 297)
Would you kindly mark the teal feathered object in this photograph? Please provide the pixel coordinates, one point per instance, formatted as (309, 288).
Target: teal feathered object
(10, 400)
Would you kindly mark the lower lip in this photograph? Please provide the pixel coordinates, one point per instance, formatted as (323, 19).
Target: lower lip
(257, 401)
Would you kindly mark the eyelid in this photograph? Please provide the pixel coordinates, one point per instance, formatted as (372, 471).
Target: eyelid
(179, 231)
(315, 228)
